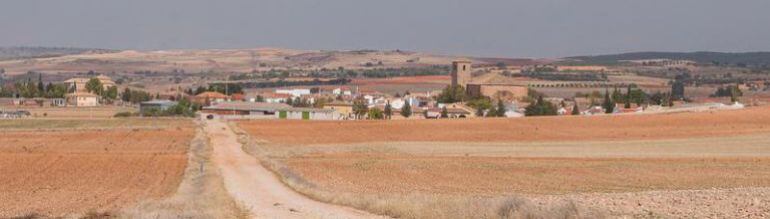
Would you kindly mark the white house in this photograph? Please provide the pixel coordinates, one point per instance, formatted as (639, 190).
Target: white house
(342, 91)
(293, 92)
(82, 99)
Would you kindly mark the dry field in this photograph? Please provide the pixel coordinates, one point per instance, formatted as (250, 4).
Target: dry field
(66, 167)
(618, 165)
(627, 127)
(73, 112)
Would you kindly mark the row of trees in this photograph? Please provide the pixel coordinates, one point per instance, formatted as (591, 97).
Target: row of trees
(30, 89)
(135, 96)
(732, 91)
(361, 110)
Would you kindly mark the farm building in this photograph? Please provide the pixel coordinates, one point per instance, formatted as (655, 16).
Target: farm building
(82, 99)
(309, 114)
(156, 106)
(209, 97)
(270, 111)
(245, 108)
(79, 84)
(343, 108)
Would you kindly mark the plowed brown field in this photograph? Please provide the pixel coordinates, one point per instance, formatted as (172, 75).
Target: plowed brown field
(57, 173)
(636, 127)
(388, 175)
(423, 167)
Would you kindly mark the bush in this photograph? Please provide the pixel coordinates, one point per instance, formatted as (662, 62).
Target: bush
(123, 114)
(541, 108)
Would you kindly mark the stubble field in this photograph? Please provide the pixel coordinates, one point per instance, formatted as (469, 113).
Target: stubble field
(69, 168)
(622, 165)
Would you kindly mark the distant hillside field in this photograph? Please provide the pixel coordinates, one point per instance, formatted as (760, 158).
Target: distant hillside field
(225, 60)
(748, 58)
(8, 53)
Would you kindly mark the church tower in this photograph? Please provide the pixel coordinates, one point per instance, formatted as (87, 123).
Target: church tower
(461, 73)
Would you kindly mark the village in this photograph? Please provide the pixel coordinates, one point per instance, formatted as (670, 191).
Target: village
(462, 98)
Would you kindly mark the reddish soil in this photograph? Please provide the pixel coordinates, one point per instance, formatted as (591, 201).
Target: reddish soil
(57, 173)
(633, 127)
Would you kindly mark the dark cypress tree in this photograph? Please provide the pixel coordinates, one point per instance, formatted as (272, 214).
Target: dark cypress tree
(388, 110)
(627, 104)
(126, 96)
(500, 108)
(609, 104)
(40, 86)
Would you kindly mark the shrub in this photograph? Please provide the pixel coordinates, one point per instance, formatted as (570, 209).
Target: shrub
(123, 114)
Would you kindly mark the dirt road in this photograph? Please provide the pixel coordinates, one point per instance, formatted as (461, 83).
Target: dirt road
(257, 189)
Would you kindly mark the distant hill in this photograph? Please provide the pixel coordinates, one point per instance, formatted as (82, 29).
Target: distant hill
(741, 59)
(53, 60)
(9, 53)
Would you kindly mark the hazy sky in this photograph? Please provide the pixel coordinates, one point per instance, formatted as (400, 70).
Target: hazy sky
(512, 28)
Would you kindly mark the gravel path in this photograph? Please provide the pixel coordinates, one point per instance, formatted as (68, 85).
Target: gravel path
(259, 190)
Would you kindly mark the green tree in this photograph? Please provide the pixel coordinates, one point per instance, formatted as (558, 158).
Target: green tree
(406, 110)
(388, 110)
(452, 94)
(540, 108)
(360, 108)
(376, 113)
(95, 86)
(481, 104)
(111, 93)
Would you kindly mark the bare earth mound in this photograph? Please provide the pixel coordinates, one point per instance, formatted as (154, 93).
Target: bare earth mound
(57, 173)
